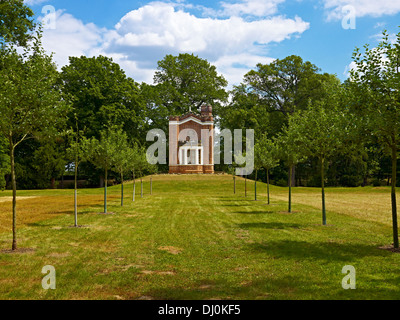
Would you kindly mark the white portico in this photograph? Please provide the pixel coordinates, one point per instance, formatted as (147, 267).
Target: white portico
(191, 155)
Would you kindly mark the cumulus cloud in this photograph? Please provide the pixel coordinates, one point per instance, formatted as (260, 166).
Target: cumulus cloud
(145, 35)
(362, 8)
(71, 37)
(258, 8)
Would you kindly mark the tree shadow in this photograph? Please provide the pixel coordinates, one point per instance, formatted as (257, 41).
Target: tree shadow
(270, 225)
(324, 251)
(254, 212)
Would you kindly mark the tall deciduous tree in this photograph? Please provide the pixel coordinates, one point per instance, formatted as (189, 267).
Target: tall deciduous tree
(30, 102)
(376, 82)
(103, 96)
(187, 82)
(286, 86)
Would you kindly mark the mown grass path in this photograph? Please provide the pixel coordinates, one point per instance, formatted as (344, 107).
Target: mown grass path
(194, 239)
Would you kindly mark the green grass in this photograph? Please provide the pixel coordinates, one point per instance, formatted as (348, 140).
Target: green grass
(194, 239)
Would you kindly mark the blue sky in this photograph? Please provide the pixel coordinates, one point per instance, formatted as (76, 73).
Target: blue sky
(233, 35)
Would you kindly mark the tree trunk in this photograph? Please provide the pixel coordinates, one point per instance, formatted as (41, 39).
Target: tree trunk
(234, 185)
(141, 187)
(76, 194)
(105, 190)
(323, 191)
(245, 187)
(290, 189)
(269, 202)
(293, 175)
(394, 204)
(122, 189)
(14, 202)
(151, 186)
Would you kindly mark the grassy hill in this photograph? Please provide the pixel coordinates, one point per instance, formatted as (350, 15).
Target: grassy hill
(194, 239)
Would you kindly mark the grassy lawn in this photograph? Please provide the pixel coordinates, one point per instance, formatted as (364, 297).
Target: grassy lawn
(194, 239)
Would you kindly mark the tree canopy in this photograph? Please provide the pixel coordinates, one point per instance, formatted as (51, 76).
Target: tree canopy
(186, 82)
(16, 22)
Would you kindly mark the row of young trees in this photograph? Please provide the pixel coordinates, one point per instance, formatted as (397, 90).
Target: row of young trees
(303, 119)
(347, 119)
(111, 152)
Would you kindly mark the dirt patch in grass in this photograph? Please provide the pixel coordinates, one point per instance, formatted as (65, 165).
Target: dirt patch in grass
(59, 255)
(160, 273)
(170, 249)
(18, 251)
(390, 248)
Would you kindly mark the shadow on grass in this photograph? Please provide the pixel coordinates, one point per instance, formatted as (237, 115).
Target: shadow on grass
(349, 253)
(269, 225)
(254, 212)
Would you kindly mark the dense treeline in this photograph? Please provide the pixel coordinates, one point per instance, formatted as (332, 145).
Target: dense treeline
(102, 96)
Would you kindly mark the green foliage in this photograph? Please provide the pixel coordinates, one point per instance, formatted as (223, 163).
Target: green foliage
(16, 22)
(49, 162)
(375, 82)
(286, 85)
(266, 154)
(30, 101)
(187, 81)
(104, 151)
(103, 96)
(4, 162)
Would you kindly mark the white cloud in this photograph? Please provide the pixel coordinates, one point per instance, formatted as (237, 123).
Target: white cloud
(362, 8)
(34, 2)
(258, 8)
(144, 36)
(71, 37)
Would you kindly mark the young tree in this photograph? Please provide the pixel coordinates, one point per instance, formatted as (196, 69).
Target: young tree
(290, 153)
(120, 159)
(103, 153)
(30, 102)
(78, 151)
(266, 155)
(132, 159)
(257, 166)
(320, 132)
(141, 165)
(375, 81)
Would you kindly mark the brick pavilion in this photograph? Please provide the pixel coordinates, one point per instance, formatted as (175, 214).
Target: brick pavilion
(191, 143)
